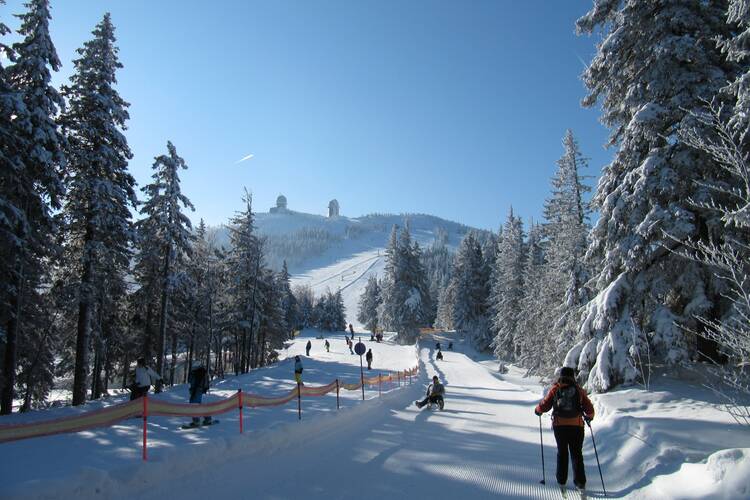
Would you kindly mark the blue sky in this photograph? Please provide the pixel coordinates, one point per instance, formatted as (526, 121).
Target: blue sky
(453, 108)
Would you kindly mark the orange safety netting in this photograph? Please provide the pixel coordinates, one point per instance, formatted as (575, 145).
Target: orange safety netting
(89, 420)
(155, 407)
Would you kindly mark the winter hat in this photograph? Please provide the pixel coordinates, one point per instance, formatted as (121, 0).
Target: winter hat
(567, 371)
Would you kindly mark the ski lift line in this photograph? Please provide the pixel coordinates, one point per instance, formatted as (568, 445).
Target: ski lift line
(147, 407)
(360, 276)
(344, 271)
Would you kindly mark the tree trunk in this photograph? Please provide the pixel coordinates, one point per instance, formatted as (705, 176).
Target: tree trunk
(125, 370)
(189, 360)
(80, 371)
(163, 316)
(11, 343)
(174, 358)
(147, 332)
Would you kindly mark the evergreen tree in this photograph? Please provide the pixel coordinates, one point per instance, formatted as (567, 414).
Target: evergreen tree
(566, 232)
(169, 233)
(536, 341)
(507, 288)
(406, 301)
(657, 65)
(97, 208)
(31, 159)
(288, 301)
(368, 304)
(245, 259)
(306, 306)
(470, 290)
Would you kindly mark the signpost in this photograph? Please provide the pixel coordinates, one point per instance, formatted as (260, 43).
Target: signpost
(360, 349)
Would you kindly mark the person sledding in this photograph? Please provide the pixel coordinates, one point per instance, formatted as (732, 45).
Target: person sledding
(435, 394)
(198, 380)
(570, 406)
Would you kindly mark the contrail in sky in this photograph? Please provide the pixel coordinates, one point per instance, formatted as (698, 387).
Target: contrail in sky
(248, 157)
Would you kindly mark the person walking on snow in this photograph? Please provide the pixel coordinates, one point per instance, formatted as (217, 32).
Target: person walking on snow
(368, 357)
(199, 382)
(435, 393)
(570, 407)
(439, 356)
(351, 330)
(144, 378)
(298, 370)
(349, 345)
(307, 348)
(328, 346)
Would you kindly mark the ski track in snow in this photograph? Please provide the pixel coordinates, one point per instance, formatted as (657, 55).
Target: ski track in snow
(484, 445)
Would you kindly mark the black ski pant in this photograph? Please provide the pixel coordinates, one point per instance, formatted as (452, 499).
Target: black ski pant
(430, 399)
(570, 442)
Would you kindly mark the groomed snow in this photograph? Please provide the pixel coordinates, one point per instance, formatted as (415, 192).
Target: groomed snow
(663, 443)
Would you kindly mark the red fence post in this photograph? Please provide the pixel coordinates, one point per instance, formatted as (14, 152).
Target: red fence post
(240, 406)
(145, 418)
(299, 402)
(337, 394)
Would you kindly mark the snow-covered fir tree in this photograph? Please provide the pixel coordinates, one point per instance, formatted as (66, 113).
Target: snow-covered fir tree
(368, 304)
(437, 260)
(330, 314)
(405, 305)
(305, 305)
(30, 181)
(470, 289)
(566, 233)
(288, 301)
(245, 262)
(507, 288)
(169, 234)
(536, 342)
(100, 189)
(657, 64)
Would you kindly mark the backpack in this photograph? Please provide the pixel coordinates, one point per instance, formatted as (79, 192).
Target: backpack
(567, 402)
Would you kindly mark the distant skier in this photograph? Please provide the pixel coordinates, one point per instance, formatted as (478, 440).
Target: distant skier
(368, 357)
(570, 407)
(435, 394)
(439, 356)
(199, 382)
(144, 378)
(351, 330)
(298, 370)
(307, 348)
(328, 346)
(450, 346)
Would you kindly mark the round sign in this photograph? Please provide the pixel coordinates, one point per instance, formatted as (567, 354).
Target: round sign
(360, 348)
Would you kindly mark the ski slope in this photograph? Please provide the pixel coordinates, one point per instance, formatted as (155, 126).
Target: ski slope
(348, 274)
(656, 444)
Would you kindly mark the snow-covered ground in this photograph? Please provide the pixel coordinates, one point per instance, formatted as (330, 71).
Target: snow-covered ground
(662, 443)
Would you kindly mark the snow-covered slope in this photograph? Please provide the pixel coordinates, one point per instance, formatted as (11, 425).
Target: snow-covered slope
(670, 442)
(341, 252)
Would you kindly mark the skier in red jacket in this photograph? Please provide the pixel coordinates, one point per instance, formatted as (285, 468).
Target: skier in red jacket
(570, 406)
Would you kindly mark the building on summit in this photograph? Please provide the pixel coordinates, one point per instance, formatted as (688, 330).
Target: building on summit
(280, 207)
(333, 208)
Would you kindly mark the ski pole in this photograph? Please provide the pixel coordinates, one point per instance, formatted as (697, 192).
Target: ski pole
(597, 457)
(541, 445)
